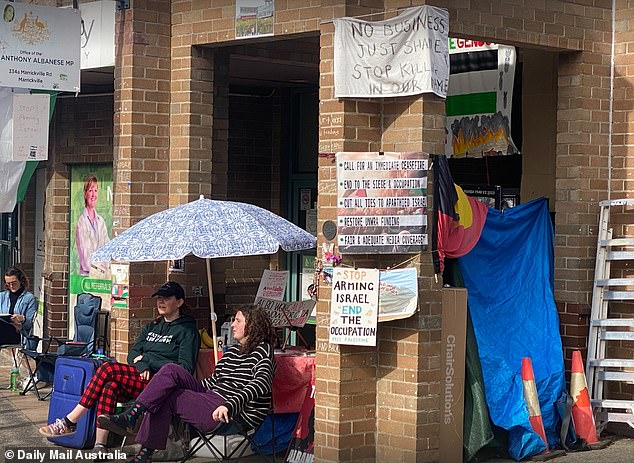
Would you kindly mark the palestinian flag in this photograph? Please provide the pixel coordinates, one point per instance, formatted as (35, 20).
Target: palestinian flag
(478, 105)
(458, 218)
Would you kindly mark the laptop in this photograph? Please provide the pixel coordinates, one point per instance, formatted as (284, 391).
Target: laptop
(8, 335)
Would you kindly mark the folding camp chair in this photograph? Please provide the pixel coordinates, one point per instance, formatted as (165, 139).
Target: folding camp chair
(86, 314)
(225, 430)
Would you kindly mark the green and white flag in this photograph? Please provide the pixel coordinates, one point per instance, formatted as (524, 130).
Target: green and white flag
(479, 99)
(14, 175)
(10, 171)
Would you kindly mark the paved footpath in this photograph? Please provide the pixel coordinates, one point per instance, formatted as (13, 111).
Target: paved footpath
(20, 417)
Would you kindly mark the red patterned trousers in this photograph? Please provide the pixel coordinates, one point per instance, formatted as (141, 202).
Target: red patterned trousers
(113, 382)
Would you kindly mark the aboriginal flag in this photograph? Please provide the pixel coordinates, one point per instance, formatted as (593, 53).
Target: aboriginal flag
(458, 218)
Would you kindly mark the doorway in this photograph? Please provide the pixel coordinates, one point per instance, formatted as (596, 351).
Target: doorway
(273, 102)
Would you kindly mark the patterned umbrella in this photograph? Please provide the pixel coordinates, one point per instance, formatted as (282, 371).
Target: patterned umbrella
(208, 229)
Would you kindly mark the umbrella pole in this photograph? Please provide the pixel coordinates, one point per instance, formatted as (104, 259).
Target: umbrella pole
(213, 312)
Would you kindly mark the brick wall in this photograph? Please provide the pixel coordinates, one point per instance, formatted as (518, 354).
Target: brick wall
(81, 133)
(171, 110)
(417, 124)
(142, 158)
(622, 166)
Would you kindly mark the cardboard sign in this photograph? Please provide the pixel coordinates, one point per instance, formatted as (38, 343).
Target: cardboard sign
(287, 314)
(30, 127)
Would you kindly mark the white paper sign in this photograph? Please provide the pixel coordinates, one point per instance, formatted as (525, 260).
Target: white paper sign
(39, 47)
(405, 55)
(272, 285)
(30, 127)
(354, 306)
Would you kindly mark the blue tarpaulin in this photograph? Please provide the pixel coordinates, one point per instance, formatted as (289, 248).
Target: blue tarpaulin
(509, 278)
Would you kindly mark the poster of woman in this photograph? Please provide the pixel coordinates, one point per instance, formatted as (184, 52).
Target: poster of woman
(90, 228)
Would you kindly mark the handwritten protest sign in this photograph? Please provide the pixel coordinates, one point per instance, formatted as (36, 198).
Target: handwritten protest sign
(287, 314)
(354, 306)
(405, 55)
(272, 285)
(30, 127)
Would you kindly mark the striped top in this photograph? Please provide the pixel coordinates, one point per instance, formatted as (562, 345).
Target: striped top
(245, 381)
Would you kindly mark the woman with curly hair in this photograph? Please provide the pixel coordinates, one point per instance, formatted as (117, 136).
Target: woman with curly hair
(239, 389)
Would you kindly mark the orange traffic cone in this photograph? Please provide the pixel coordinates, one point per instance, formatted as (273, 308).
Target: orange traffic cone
(532, 401)
(582, 416)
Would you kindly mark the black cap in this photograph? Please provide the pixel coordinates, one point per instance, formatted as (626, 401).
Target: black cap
(170, 288)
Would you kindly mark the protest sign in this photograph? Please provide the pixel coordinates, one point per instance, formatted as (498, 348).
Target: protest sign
(398, 294)
(30, 127)
(382, 202)
(272, 285)
(354, 306)
(287, 314)
(405, 55)
(480, 98)
(302, 446)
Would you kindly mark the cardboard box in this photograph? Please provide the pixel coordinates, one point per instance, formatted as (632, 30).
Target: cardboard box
(454, 340)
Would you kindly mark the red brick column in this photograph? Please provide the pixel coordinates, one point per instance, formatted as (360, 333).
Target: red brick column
(141, 147)
(376, 404)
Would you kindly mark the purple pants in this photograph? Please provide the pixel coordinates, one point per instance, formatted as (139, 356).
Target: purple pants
(173, 391)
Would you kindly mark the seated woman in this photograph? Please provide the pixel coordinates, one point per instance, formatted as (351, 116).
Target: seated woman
(239, 388)
(18, 302)
(172, 338)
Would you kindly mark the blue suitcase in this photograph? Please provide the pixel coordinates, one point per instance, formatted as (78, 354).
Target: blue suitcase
(72, 375)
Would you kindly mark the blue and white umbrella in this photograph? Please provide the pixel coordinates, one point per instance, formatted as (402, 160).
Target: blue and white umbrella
(205, 228)
(208, 229)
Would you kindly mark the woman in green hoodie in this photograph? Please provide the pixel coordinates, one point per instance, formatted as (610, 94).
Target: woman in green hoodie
(171, 338)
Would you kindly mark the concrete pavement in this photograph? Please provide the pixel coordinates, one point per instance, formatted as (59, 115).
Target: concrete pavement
(20, 417)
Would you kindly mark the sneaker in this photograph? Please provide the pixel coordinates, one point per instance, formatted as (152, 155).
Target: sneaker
(56, 429)
(118, 424)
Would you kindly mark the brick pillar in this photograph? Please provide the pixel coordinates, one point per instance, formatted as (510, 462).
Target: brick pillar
(409, 354)
(141, 147)
(56, 250)
(582, 181)
(376, 404)
(195, 165)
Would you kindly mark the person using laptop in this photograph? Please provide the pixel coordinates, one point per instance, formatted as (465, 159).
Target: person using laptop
(18, 304)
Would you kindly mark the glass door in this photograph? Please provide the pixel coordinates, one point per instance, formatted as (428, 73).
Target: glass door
(8, 234)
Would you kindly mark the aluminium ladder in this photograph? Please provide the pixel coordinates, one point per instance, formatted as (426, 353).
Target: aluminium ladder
(604, 328)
